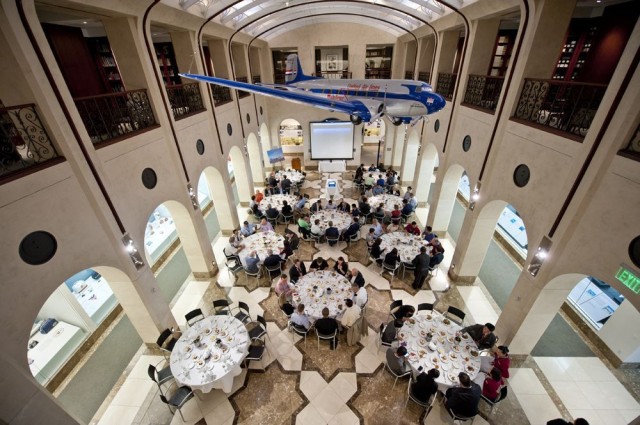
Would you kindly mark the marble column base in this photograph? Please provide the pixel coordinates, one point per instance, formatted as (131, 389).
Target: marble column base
(461, 280)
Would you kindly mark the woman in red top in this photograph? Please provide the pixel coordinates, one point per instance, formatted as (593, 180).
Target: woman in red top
(492, 385)
(502, 360)
(396, 214)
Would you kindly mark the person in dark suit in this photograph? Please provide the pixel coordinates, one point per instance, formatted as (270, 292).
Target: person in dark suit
(353, 229)
(332, 232)
(425, 385)
(316, 206)
(286, 208)
(407, 209)
(285, 185)
(271, 213)
(297, 271)
(463, 400)
(481, 334)
(293, 239)
(421, 263)
(392, 258)
(343, 206)
(365, 208)
(356, 277)
(318, 264)
(272, 260)
(341, 266)
(327, 326)
(376, 251)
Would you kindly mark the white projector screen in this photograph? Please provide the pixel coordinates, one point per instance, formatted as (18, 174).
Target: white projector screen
(331, 140)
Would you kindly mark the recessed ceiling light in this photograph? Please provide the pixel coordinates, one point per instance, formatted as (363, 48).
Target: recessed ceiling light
(84, 22)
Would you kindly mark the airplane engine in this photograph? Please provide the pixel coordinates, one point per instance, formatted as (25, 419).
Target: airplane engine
(367, 110)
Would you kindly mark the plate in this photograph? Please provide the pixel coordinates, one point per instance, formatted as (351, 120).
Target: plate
(450, 339)
(422, 353)
(453, 356)
(191, 365)
(423, 333)
(470, 369)
(200, 364)
(446, 322)
(452, 377)
(456, 348)
(215, 357)
(422, 342)
(229, 338)
(187, 348)
(402, 335)
(432, 346)
(474, 353)
(206, 331)
(429, 317)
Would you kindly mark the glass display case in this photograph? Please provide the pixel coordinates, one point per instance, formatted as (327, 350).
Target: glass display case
(595, 301)
(93, 293)
(159, 234)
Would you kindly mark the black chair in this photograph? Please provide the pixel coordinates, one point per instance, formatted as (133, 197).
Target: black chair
(230, 257)
(194, 316)
(407, 266)
(394, 306)
(333, 240)
(178, 399)
(221, 306)
(243, 314)
(300, 330)
(256, 352)
(159, 376)
(389, 268)
(257, 275)
(425, 306)
(259, 330)
(234, 266)
(455, 314)
(381, 343)
(427, 406)
(166, 342)
(493, 403)
(273, 271)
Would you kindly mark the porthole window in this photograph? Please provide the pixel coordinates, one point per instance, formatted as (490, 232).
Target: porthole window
(149, 178)
(38, 247)
(521, 175)
(200, 146)
(229, 129)
(466, 143)
(436, 126)
(634, 251)
(248, 119)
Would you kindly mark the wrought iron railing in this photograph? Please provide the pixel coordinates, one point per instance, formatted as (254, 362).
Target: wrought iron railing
(446, 84)
(424, 76)
(113, 115)
(563, 106)
(483, 91)
(241, 93)
(23, 139)
(633, 148)
(185, 99)
(377, 73)
(408, 75)
(256, 79)
(221, 95)
(333, 75)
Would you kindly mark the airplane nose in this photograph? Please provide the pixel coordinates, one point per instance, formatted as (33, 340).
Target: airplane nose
(438, 103)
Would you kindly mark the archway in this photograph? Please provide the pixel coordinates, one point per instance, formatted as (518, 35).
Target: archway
(424, 176)
(410, 157)
(255, 159)
(265, 142)
(208, 208)
(243, 184)
(225, 211)
(448, 192)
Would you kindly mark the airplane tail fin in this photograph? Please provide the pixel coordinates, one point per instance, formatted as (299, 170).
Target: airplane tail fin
(293, 72)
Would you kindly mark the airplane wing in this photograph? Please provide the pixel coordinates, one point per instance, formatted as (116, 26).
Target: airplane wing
(355, 108)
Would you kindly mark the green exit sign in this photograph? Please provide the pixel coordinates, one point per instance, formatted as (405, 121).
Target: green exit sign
(629, 279)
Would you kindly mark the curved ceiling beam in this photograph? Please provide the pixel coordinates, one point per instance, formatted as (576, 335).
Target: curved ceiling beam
(273, 32)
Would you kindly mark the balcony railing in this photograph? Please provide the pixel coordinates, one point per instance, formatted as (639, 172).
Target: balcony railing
(424, 76)
(446, 84)
(483, 91)
(563, 106)
(633, 148)
(256, 79)
(377, 73)
(23, 139)
(241, 93)
(114, 115)
(333, 75)
(221, 95)
(185, 99)
(408, 75)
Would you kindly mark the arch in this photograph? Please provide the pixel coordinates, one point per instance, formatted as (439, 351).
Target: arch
(410, 157)
(424, 175)
(227, 215)
(265, 141)
(448, 191)
(255, 159)
(243, 183)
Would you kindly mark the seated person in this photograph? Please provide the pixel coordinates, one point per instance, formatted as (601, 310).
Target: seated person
(351, 313)
(390, 332)
(300, 318)
(436, 246)
(265, 226)
(492, 384)
(481, 334)
(259, 196)
(380, 181)
(343, 206)
(413, 201)
(392, 258)
(327, 326)
(428, 234)
(355, 211)
(368, 181)
(283, 286)
(356, 277)
(297, 270)
(436, 259)
(360, 296)
(379, 212)
(330, 206)
(341, 266)
(304, 227)
(407, 194)
(392, 228)
(286, 250)
(271, 213)
(332, 232)
(396, 214)
(299, 207)
(463, 399)
(318, 264)
(273, 260)
(425, 385)
(377, 190)
(396, 360)
(286, 209)
(375, 224)
(255, 209)
(365, 208)
(371, 236)
(252, 262)
(376, 250)
(316, 206)
(352, 230)
(405, 312)
(247, 229)
(412, 228)
(316, 230)
(407, 209)
(293, 238)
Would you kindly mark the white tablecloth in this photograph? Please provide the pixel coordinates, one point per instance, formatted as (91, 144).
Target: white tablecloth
(335, 166)
(408, 245)
(389, 202)
(260, 242)
(316, 299)
(340, 219)
(276, 202)
(188, 363)
(450, 357)
(294, 175)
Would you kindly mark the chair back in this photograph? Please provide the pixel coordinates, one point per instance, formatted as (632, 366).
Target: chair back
(503, 394)
(164, 336)
(194, 314)
(394, 306)
(151, 370)
(454, 311)
(243, 306)
(220, 304)
(425, 306)
(262, 321)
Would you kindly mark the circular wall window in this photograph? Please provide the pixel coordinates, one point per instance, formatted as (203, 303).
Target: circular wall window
(149, 178)
(261, 110)
(38, 247)
(200, 146)
(436, 126)
(634, 251)
(466, 143)
(248, 119)
(521, 175)
(229, 129)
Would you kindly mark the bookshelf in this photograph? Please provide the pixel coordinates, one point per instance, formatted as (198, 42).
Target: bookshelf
(106, 63)
(378, 62)
(575, 49)
(167, 62)
(502, 52)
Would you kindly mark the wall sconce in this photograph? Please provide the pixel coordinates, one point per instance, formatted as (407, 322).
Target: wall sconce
(475, 195)
(133, 252)
(192, 196)
(539, 257)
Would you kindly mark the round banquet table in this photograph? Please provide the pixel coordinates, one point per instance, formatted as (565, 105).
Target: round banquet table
(446, 354)
(316, 299)
(408, 245)
(341, 220)
(389, 202)
(189, 364)
(276, 202)
(260, 242)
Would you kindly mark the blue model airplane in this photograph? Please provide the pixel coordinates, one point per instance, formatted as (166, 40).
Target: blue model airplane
(402, 101)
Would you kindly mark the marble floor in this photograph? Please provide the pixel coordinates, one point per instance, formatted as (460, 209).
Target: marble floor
(305, 385)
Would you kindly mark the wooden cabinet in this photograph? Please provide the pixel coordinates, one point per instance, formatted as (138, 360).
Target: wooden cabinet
(575, 49)
(167, 62)
(106, 63)
(502, 53)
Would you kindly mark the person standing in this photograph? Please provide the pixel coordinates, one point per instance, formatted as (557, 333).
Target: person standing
(421, 264)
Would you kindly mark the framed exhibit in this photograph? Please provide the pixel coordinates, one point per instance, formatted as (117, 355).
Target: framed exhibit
(332, 62)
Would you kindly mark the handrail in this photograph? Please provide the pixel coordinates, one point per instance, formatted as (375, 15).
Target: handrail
(483, 91)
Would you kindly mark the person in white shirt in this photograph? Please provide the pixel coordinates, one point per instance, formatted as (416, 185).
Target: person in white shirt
(407, 195)
(351, 314)
(316, 229)
(330, 205)
(247, 229)
(235, 243)
(413, 201)
(300, 318)
(360, 296)
(375, 224)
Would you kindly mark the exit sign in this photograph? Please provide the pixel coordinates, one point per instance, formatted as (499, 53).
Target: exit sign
(628, 279)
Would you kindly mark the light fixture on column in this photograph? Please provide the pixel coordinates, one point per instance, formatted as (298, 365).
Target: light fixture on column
(192, 196)
(540, 256)
(475, 195)
(131, 249)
